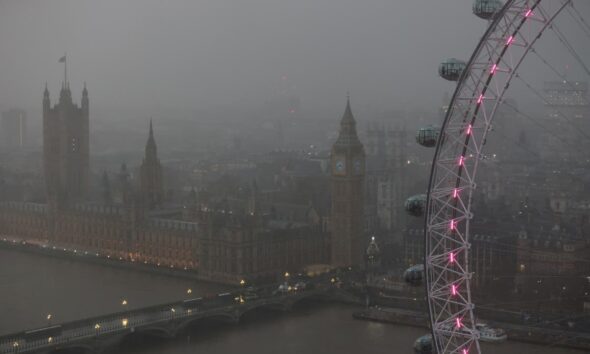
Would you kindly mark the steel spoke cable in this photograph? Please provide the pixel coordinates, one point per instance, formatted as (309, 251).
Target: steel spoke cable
(582, 20)
(539, 125)
(560, 75)
(540, 96)
(536, 253)
(529, 301)
(511, 249)
(518, 145)
(569, 47)
(585, 29)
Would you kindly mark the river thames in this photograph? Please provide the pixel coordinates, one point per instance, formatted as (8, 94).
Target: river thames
(34, 286)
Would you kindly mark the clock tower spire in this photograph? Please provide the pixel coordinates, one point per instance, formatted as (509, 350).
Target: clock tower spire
(347, 180)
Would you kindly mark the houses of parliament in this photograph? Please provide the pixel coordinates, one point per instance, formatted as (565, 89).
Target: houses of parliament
(223, 241)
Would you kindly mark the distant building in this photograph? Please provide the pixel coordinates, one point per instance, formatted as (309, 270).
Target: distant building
(553, 264)
(567, 112)
(347, 214)
(13, 129)
(386, 181)
(568, 97)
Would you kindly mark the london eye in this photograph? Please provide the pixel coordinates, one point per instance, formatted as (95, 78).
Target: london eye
(514, 30)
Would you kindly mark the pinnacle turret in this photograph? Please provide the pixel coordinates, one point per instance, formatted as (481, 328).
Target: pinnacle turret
(348, 135)
(151, 184)
(151, 149)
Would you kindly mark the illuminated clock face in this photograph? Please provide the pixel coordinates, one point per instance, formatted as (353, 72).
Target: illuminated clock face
(339, 166)
(357, 166)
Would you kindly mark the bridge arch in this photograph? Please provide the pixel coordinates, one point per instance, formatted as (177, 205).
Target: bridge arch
(225, 317)
(74, 348)
(154, 331)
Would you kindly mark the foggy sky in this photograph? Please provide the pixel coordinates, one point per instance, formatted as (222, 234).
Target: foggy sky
(197, 54)
(137, 53)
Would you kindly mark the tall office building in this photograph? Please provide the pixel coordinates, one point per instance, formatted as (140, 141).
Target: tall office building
(13, 129)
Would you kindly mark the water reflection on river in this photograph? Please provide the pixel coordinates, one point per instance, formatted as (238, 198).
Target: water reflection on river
(32, 286)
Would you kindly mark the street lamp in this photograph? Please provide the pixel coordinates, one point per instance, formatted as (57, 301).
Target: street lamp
(49, 319)
(189, 291)
(124, 302)
(124, 322)
(242, 282)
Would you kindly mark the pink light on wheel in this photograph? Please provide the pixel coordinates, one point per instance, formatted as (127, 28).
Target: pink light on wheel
(452, 225)
(452, 258)
(454, 290)
(458, 322)
(480, 99)
(510, 40)
(528, 13)
(461, 160)
(468, 132)
(455, 193)
(494, 68)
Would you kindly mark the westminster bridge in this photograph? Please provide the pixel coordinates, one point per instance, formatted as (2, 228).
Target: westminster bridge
(95, 334)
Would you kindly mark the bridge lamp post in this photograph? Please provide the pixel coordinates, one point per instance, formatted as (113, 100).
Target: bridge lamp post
(189, 291)
(15, 346)
(49, 319)
(124, 322)
(50, 340)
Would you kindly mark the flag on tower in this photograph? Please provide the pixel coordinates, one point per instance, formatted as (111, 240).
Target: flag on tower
(62, 59)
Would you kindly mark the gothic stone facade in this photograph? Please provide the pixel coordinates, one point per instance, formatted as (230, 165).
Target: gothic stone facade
(65, 148)
(218, 247)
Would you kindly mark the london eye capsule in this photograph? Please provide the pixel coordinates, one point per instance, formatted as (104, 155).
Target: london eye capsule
(415, 205)
(423, 345)
(486, 9)
(427, 136)
(451, 69)
(414, 275)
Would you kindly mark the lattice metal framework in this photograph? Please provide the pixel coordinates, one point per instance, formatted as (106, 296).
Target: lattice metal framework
(511, 35)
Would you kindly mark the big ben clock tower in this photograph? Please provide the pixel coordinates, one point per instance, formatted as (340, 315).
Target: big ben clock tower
(347, 216)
